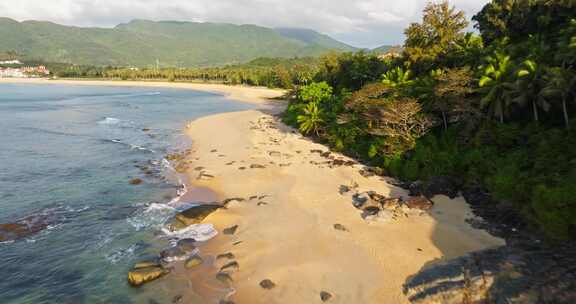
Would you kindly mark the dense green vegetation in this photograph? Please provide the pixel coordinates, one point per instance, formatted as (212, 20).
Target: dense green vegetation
(495, 109)
(142, 43)
(269, 72)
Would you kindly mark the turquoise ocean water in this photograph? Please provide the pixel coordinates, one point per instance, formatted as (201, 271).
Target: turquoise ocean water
(69, 152)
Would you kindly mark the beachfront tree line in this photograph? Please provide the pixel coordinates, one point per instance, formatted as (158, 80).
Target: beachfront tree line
(268, 72)
(494, 110)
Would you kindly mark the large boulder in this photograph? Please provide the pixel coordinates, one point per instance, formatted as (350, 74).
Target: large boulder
(193, 215)
(139, 276)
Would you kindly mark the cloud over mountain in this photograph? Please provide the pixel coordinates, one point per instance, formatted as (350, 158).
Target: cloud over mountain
(363, 22)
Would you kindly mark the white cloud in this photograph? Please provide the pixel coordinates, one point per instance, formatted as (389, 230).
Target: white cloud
(342, 18)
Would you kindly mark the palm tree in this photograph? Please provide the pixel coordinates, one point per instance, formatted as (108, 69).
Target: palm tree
(311, 120)
(560, 82)
(397, 77)
(495, 83)
(528, 87)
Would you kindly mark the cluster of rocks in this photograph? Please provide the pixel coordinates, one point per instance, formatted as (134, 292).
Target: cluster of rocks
(26, 226)
(32, 224)
(525, 270)
(147, 271)
(180, 160)
(527, 274)
(332, 160)
(183, 250)
(377, 207)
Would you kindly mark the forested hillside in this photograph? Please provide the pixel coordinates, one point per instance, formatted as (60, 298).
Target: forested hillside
(142, 43)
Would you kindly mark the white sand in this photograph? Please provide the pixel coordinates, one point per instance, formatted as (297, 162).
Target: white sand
(291, 240)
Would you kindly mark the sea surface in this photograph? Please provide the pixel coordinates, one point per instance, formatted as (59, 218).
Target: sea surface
(68, 153)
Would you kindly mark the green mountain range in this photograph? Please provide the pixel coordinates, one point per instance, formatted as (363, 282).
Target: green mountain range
(169, 43)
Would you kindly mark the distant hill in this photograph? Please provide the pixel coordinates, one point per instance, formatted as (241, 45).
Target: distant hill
(174, 44)
(386, 49)
(311, 37)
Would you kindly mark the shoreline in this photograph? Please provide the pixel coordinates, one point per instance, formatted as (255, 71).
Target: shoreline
(248, 94)
(293, 227)
(286, 226)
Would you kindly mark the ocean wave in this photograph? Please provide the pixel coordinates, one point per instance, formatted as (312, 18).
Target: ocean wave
(116, 122)
(154, 215)
(131, 146)
(198, 232)
(124, 253)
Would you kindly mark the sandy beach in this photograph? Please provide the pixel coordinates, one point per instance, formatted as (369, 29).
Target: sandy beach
(258, 95)
(297, 229)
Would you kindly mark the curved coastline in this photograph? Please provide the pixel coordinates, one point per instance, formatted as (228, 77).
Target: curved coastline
(255, 95)
(286, 229)
(296, 228)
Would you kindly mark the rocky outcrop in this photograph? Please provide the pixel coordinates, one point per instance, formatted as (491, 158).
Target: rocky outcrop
(526, 274)
(145, 272)
(377, 207)
(26, 227)
(193, 215)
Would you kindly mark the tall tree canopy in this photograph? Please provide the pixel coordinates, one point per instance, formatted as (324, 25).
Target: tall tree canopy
(442, 26)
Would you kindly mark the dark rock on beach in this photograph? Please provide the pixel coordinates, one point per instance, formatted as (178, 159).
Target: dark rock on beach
(232, 266)
(340, 227)
(228, 255)
(230, 230)
(257, 166)
(177, 299)
(267, 284)
(224, 277)
(325, 296)
(140, 276)
(193, 261)
(193, 215)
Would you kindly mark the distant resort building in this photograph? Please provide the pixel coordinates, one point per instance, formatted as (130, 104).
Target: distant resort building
(11, 62)
(23, 72)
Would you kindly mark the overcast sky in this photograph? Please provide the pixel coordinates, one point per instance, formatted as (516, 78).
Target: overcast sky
(361, 23)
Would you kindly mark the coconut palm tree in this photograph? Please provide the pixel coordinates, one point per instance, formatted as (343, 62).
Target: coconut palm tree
(528, 87)
(560, 83)
(397, 77)
(311, 120)
(496, 83)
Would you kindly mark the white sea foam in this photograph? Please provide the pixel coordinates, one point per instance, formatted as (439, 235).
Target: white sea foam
(109, 121)
(199, 232)
(137, 147)
(121, 254)
(116, 122)
(154, 215)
